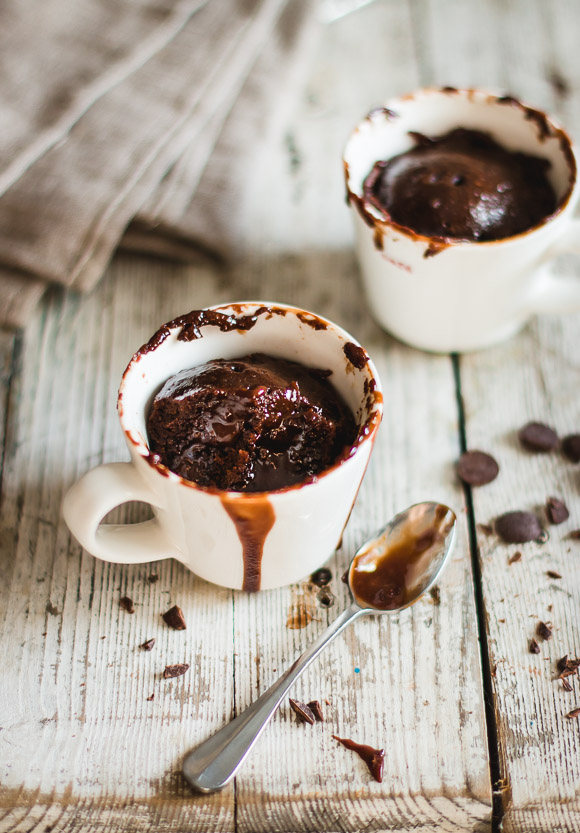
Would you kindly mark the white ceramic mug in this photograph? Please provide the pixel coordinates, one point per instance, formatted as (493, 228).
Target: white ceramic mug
(461, 296)
(235, 539)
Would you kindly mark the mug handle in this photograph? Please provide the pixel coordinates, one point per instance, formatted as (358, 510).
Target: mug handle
(97, 492)
(554, 294)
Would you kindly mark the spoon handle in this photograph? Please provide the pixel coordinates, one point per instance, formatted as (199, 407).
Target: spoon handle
(215, 761)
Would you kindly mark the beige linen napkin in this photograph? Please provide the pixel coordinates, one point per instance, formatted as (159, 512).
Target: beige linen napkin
(131, 111)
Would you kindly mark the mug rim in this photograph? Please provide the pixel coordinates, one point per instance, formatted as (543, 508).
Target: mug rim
(547, 127)
(366, 431)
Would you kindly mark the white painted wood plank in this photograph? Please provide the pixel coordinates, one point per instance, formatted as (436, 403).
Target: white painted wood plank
(534, 378)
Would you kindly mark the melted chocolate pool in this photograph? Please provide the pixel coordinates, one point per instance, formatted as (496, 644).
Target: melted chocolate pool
(387, 574)
(462, 185)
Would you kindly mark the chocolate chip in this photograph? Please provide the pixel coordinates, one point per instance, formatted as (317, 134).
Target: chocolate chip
(174, 618)
(175, 670)
(148, 646)
(325, 596)
(574, 713)
(303, 711)
(544, 631)
(534, 647)
(535, 436)
(477, 468)
(127, 604)
(518, 527)
(316, 710)
(321, 577)
(571, 447)
(556, 510)
(553, 574)
(515, 557)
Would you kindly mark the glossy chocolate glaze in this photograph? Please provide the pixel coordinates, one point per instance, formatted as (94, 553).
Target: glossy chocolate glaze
(384, 575)
(462, 185)
(253, 424)
(253, 519)
(373, 758)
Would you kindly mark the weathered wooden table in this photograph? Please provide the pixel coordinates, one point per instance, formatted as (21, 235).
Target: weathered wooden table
(473, 724)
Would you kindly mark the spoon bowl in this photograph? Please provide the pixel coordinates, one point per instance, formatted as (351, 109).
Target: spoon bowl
(387, 574)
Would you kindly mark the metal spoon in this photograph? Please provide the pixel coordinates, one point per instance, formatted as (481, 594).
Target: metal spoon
(387, 574)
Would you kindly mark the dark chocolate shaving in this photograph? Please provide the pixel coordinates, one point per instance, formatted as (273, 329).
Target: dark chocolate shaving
(174, 618)
(175, 670)
(315, 708)
(534, 647)
(553, 574)
(544, 631)
(148, 645)
(127, 604)
(556, 510)
(574, 713)
(303, 711)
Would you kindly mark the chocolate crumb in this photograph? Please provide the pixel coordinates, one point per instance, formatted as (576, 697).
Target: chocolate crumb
(518, 527)
(544, 631)
(536, 436)
(304, 712)
(174, 618)
(321, 577)
(127, 604)
(325, 596)
(487, 529)
(556, 510)
(534, 647)
(148, 645)
(553, 574)
(152, 578)
(435, 594)
(515, 557)
(373, 758)
(476, 468)
(151, 697)
(316, 710)
(571, 447)
(574, 713)
(566, 685)
(574, 535)
(175, 670)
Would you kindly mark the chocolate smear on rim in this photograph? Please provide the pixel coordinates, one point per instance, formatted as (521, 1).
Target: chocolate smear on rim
(536, 436)
(316, 709)
(356, 355)
(253, 519)
(518, 527)
(544, 631)
(175, 670)
(174, 618)
(556, 510)
(127, 604)
(477, 468)
(571, 447)
(373, 758)
(304, 712)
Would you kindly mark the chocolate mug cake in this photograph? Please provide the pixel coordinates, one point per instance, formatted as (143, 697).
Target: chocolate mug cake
(253, 424)
(462, 185)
